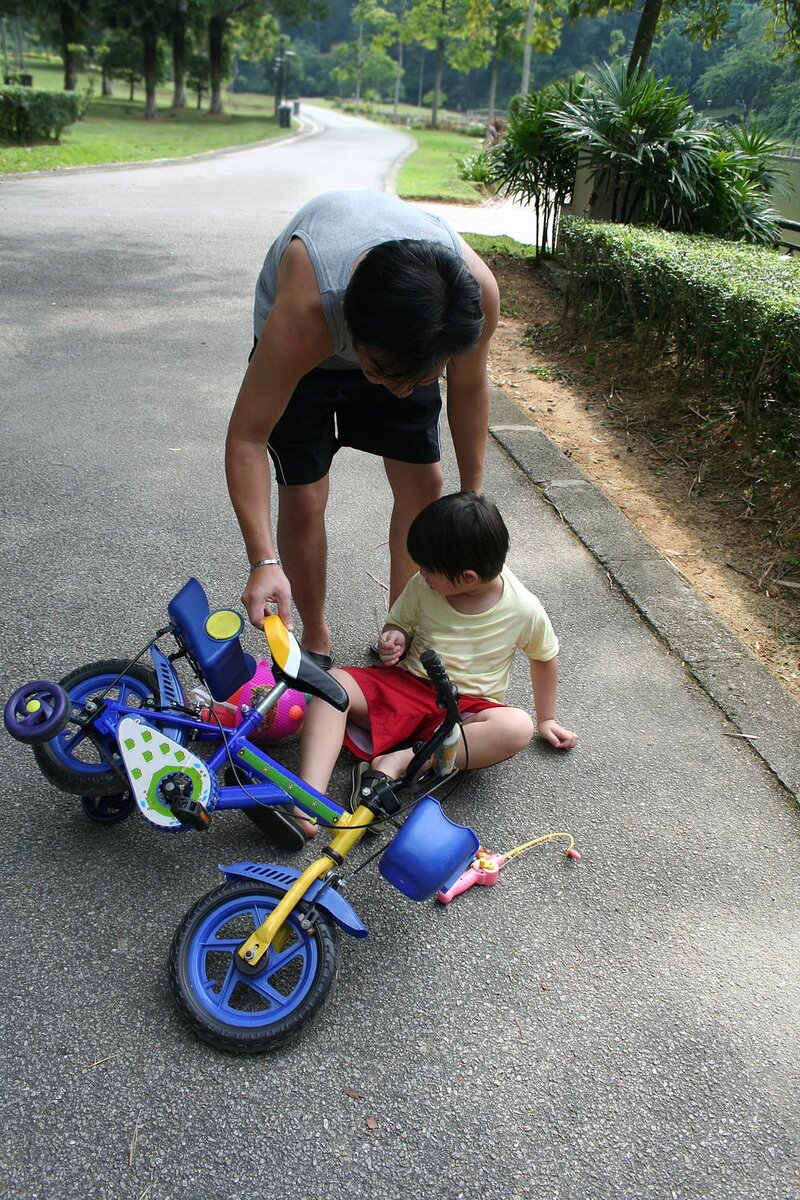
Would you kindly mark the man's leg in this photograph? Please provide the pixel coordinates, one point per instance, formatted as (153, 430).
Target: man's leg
(413, 486)
(323, 732)
(303, 547)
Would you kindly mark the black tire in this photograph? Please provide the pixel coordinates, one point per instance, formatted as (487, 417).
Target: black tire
(108, 810)
(225, 1007)
(71, 761)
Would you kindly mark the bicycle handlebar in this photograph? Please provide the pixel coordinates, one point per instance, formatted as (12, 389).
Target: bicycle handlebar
(446, 692)
(446, 698)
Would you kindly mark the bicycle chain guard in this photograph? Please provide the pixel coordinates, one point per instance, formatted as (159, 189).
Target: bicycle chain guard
(150, 756)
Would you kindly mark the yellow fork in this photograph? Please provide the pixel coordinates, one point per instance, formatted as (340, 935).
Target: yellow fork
(349, 832)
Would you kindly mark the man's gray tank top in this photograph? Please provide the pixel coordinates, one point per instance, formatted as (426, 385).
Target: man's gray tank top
(336, 228)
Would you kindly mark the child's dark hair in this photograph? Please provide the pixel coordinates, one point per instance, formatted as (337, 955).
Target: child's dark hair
(458, 533)
(413, 304)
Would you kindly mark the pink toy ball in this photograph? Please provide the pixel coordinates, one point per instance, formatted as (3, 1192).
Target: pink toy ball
(283, 720)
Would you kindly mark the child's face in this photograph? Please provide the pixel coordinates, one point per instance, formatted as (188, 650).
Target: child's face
(447, 587)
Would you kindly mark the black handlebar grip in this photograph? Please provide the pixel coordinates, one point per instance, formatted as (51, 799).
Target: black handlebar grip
(445, 691)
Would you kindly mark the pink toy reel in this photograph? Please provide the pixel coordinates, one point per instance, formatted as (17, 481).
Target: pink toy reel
(283, 720)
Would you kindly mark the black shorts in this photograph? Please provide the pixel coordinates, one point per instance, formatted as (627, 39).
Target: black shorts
(330, 409)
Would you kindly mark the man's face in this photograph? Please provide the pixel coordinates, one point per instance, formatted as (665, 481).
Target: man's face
(398, 387)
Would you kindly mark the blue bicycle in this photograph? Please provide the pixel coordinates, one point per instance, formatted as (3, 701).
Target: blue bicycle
(254, 959)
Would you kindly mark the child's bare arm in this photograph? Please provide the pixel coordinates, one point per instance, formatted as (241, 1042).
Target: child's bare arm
(392, 645)
(544, 681)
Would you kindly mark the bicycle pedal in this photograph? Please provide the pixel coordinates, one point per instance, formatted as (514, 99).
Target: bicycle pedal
(191, 813)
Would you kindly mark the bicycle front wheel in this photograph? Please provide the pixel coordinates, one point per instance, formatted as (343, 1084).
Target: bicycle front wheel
(249, 1014)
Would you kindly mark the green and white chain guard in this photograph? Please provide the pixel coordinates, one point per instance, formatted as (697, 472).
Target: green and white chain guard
(149, 755)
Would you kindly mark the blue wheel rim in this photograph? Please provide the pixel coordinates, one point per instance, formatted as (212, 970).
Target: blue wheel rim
(66, 748)
(246, 1001)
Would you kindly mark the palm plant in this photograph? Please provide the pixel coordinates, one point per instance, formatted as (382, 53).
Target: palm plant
(645, 147)
(654, 160)
(535, 162)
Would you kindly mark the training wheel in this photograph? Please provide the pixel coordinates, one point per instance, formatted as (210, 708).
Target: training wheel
(37, 712)
(107, 810)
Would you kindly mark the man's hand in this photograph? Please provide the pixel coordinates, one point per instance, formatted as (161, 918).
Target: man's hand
(391, 647)
(557, 735)
(268, 586)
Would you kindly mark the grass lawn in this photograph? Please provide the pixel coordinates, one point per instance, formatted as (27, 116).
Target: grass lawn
(115, 130)
(432, 172)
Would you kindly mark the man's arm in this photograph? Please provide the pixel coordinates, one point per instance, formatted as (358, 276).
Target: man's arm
(468, 383)
(294, 339)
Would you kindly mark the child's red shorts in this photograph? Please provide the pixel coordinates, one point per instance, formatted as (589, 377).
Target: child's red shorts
(402, 709)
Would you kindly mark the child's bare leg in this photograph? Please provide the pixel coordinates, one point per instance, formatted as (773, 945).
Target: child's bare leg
(492, 736)
(323, 732)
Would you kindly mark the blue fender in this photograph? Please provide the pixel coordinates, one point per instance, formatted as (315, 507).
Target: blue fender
(331, 901)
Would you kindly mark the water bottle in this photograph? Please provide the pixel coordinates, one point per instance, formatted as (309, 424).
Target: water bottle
(444, 758)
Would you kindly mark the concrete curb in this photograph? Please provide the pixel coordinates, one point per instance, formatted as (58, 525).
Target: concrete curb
(747, 693)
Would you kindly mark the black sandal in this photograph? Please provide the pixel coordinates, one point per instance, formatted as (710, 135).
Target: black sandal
(278, 824)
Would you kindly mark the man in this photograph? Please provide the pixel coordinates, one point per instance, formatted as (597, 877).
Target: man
(362, 303)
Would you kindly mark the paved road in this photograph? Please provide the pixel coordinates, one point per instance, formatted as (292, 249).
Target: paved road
(623, 1028)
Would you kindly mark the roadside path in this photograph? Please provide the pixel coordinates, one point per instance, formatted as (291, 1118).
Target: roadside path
(624, 1027)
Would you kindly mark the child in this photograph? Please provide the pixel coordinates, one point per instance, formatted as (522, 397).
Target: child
(465, 604)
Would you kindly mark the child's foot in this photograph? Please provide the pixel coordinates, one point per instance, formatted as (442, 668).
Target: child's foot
(362, 776)
(279, 824)
(308, 826)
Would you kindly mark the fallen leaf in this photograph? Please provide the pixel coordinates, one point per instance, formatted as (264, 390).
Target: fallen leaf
(372, 1122)
(353, 1094)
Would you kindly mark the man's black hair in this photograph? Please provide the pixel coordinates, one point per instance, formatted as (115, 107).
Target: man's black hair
(413, 304)
(458, 533)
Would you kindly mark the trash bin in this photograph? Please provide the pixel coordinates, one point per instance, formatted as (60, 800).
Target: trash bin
(285, 116)
(296, 107)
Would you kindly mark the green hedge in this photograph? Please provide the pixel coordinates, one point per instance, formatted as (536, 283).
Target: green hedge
(729, 308)
(28, 115)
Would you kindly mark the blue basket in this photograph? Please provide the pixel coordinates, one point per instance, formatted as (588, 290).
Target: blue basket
(428, 853)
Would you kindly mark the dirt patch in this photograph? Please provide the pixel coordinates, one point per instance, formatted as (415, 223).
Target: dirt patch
(616, 421)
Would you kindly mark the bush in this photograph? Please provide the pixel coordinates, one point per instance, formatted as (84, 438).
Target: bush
(732, 310)
(474, 169)
(653, 160)
(28, 115)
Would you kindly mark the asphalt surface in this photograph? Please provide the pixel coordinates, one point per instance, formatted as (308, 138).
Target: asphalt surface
(623, 1027)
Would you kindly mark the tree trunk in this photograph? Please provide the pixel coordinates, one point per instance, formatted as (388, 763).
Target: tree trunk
(105, 90)
(437, 83)
(69, 38)
(525, 82)
(397, 79)
(216, 36)
(493, 89)
(179, 61)
(645, 32)
(150, 43)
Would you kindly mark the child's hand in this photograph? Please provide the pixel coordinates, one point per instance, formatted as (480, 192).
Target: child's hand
(557, 735)
(391, 647)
